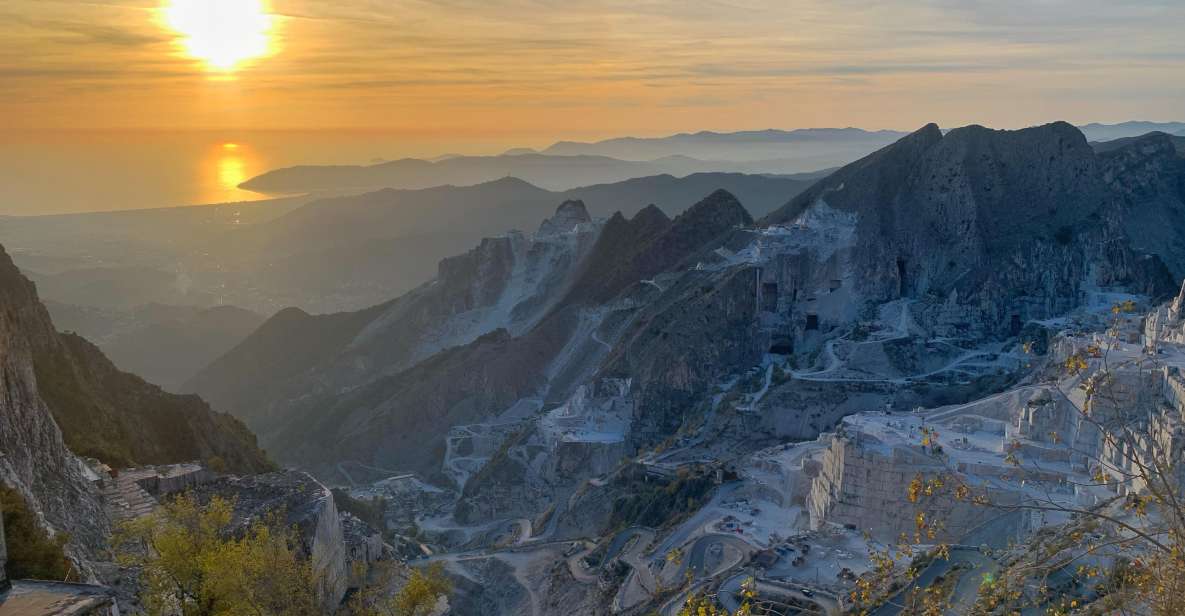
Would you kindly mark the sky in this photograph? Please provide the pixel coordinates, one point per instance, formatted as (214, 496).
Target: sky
(550, 69)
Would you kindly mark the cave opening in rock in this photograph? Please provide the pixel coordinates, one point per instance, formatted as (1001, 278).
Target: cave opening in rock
(812, 322)
(902, 285)
(781, 346)
(769, 296)
(1015, 325)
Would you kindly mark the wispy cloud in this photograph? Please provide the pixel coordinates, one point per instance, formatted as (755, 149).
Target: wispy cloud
(636, 66)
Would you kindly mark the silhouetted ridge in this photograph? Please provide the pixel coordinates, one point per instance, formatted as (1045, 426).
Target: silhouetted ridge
(112, 415)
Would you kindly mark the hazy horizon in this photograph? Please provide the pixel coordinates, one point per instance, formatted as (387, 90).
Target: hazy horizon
(62, 171)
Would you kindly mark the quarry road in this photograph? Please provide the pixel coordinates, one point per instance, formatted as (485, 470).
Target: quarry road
(394, 475)
(953, 411)
(524, 531)
(696, 562)
(696, 522)
(640, 583)
(598, 340)
(756, 397)
(903, 380)
(729, 594)
(578, 571)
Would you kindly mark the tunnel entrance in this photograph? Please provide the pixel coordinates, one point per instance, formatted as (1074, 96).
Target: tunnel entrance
(1015, 325)
(769, 296)
(781, 346)
(812, 322)
(902, 285)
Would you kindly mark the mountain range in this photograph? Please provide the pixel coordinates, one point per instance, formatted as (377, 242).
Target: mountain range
(594, 338)
(567, 164)
(322, 254)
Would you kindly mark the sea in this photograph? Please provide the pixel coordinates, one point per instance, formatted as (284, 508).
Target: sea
(58, 172)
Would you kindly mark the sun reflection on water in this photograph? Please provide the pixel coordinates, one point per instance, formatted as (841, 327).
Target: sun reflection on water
(227, 165)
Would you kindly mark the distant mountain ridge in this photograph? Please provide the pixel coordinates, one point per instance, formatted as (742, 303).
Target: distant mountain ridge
(112, 415)
(327, 255)
(722, 145)
(548, 171)
(1107, 132)
(567, 164)
(163, 344)
(978, 231)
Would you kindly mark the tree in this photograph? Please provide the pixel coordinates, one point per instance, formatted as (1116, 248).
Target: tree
(701, 604)
(417, 597)
(1125, 554)
(193, 564)
(32, 552)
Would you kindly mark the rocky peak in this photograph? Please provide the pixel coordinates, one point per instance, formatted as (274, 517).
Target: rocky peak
(715, 213)
(569, 214)
(867, 180)
(651, 215)
(978, 207)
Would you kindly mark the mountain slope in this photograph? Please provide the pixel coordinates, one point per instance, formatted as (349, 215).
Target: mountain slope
(978, 212)
(112, 415)
(627, 331)
(35, 460)
(163, 344)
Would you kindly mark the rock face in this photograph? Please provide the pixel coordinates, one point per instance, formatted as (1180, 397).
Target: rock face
(60, 396)
(535, 360)
(308, 506)
(866, 484)
(35, 459)
(1149, 175)
(1014, 225)
(108, 414)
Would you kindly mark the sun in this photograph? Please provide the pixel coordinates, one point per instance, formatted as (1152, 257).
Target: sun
(223, 34)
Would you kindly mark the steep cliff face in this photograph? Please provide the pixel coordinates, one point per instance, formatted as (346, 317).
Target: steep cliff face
(112, 415)
(35, 460)
(1149, 175)
(1012, 224)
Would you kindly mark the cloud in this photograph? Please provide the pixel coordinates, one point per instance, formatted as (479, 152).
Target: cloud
(750, 60)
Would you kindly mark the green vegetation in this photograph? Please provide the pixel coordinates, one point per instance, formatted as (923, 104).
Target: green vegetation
(656, 505)
(373, 511)
(32, 553)
(125, 421)
(416, 598)
(192, 563)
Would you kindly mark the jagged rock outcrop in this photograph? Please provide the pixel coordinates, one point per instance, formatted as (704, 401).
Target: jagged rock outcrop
(1148, 173)
(1015, 225)
(567, 216)
(507, 282)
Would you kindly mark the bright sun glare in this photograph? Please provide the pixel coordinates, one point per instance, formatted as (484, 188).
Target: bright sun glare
(221, 33)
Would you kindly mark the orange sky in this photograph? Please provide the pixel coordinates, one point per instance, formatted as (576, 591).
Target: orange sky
(555, 69)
